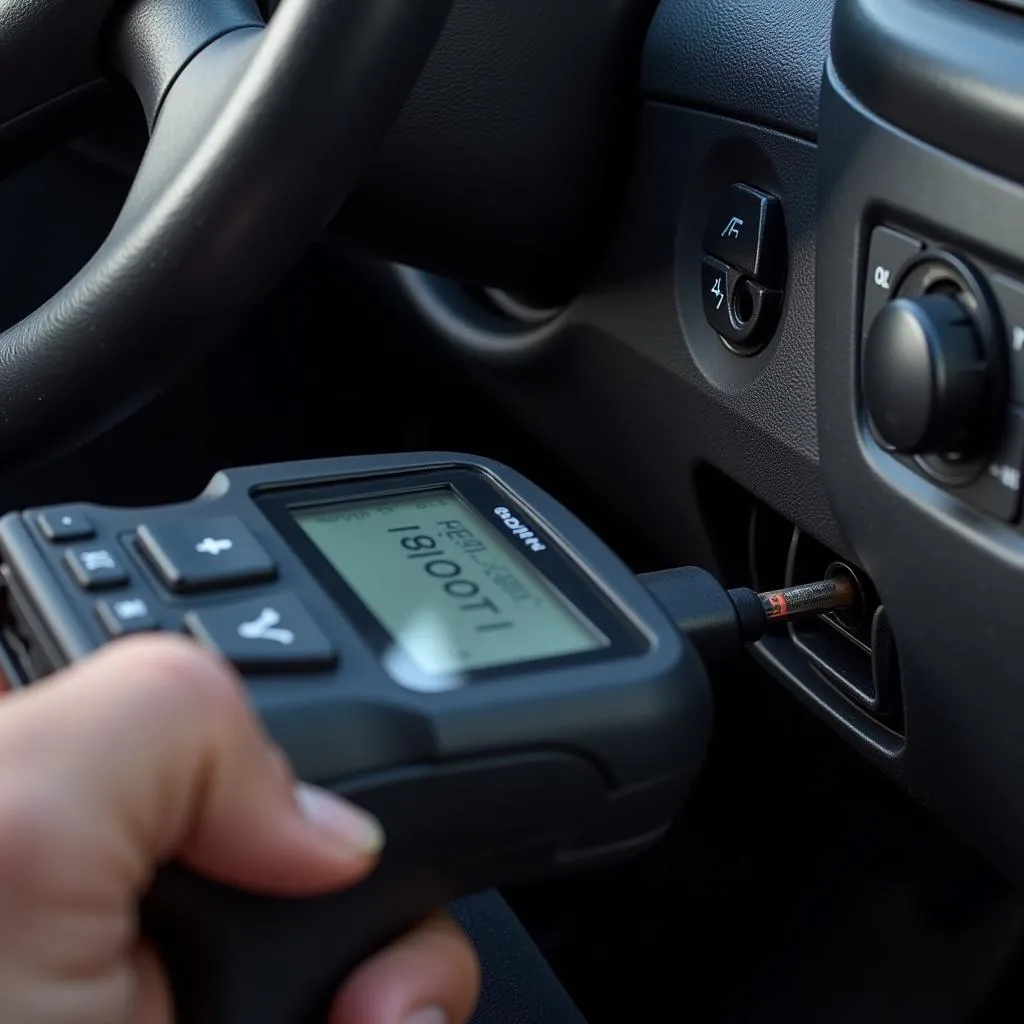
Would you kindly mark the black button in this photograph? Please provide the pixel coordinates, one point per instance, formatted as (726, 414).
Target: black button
(1010, 295)
(742, 311)
(746, 231)
(123, 615)
(202, 554)
(96, 567)
(266, 634)
(65, 524)
(997, 490)
(888, 253)
(717, 281)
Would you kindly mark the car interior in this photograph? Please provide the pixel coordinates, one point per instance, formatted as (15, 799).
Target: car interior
(739, 282)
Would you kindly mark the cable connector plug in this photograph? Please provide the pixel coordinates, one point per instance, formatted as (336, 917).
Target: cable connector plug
(720, 621)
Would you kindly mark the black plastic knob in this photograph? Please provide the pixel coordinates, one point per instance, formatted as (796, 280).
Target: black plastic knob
(929, 385)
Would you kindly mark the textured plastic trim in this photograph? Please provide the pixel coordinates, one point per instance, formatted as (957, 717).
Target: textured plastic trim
(907, 59)
(485, 334)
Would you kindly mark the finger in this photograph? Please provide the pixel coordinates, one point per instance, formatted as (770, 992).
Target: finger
(431, 976)
(153, 1004)
(153, 750)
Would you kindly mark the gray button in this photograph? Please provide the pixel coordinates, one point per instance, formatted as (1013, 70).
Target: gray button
(96, 567)
(59, 524)
(130, 614)
(265, 634)
(203, 554)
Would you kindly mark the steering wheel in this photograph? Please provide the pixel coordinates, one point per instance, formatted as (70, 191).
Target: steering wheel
(258, 132)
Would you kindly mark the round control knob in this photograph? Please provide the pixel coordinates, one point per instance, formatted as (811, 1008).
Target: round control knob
(928, 384)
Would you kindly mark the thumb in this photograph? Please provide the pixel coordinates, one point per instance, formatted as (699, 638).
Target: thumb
(152, 748)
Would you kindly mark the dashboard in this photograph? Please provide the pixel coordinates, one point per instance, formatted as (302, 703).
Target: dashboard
(753, 271)
(802, 343)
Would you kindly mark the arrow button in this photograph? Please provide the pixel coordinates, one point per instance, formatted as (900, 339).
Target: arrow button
(271, 633)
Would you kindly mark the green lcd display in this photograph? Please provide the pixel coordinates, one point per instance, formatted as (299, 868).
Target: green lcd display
(453, 593)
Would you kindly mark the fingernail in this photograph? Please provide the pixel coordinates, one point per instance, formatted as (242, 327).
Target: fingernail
(349, 825)
(431, 1015)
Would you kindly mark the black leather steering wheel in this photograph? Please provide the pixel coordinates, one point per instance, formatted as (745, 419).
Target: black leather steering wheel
(258, 133)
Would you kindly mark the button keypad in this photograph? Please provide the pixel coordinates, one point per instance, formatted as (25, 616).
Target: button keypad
(173, 574)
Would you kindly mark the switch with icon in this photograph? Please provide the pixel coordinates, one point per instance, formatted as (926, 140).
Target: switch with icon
(744, 268)
(746, 231)
(889, 252)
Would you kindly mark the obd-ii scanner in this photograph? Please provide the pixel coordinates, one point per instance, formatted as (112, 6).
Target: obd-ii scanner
(430, 635)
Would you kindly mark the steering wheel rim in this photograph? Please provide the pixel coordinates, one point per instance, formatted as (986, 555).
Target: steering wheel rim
(258, 134)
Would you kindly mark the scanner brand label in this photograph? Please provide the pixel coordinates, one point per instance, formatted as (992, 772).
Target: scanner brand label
(520, 529)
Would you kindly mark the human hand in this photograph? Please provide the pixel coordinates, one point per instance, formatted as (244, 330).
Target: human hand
(148, 752)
